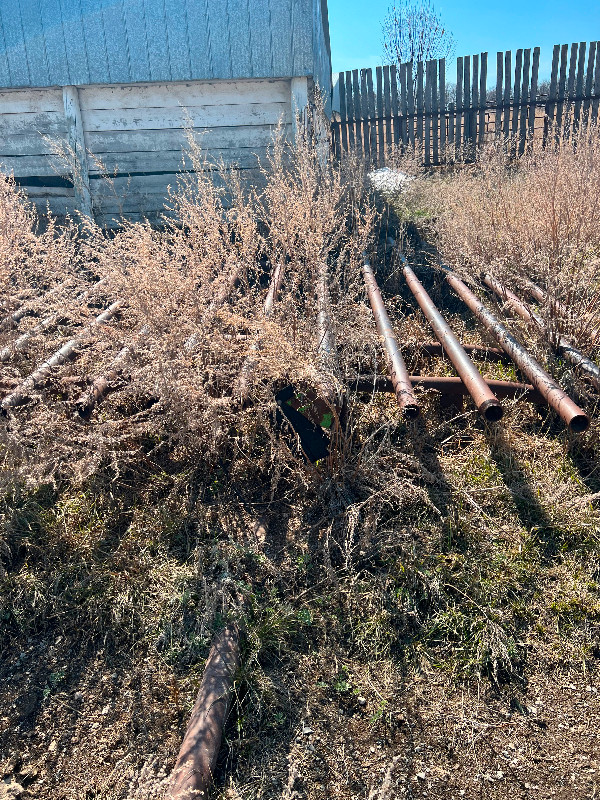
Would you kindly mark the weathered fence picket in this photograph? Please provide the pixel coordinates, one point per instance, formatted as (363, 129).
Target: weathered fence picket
(406, 106)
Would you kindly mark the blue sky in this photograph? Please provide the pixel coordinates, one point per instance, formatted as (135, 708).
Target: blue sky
(477, 27)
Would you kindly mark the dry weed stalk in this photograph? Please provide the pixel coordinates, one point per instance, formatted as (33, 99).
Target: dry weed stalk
(533, 219)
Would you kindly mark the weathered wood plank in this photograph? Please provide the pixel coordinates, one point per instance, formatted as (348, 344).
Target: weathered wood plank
(435, 118)
(552, 93)
(34, 165)
(394, 105)
(364, 103)
(499, 83)
(173, 160)
(48, 123)
(350, 106)
(31, 101)
(579, 85)
(79, 166)
(420, 104)
(400, 121)
(596, 100)
(102, 142)
(387, 107)
(58, 206)
(343, 112)
(535, 68)
(178, 94)
(372, 117)
(410, 101)
(360, 145)
(380, 119)
(506, 101)
(442, 105)
(451, 126)
(482, 97)
(524, 100)
(427, 115)
(517, 94)
(195, 116)
(474, 115)
(459, 103)
(589, 81)
(562, 90)
(572, 70)
(467, 101)
(26, 144)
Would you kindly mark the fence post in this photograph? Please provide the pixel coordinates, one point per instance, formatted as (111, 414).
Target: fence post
(524, 100)
(533, 95)
(459, 104)
(442, 106)
(551, 100)
(387, 101)
(482, 97)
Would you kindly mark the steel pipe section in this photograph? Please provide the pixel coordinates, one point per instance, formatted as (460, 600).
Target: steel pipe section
(487, 403)
(589, 368)
(194, 769)
(396, 366)
(20, 396)
(570, 412)
(450, 386)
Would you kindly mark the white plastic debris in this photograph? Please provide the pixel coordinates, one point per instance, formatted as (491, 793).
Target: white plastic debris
(389, 181)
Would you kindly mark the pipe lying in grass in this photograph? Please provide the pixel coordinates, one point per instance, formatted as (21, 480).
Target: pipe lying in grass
(20, 343)
(570, 412)
(572, 354)
(194, 769)
(249, 364)
(328, 382)
(68, 351)
(450, 386)
(102, 384)
(483, 397)
(396, 366)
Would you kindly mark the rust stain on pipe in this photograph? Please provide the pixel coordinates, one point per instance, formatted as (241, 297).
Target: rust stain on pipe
(487, 403)
(396, 366)
(570, 412)
(451, 386)
(194, 769)
(589, 368)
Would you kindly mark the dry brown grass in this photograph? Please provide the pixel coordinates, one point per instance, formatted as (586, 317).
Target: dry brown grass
(400, 594)
(536, 218)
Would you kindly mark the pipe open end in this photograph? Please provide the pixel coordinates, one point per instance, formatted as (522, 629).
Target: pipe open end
(579, 423)
(491, 410)
(411, 411)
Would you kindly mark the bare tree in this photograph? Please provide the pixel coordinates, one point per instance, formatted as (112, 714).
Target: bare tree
(413, 31)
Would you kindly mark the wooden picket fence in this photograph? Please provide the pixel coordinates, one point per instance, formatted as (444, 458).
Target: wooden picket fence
(406, 106)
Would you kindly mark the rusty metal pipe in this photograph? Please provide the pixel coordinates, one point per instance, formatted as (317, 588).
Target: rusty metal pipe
(396, 366)
(451, 386)
(20, 343)
(68, 351)
(487, 403)
(194, 769)
(270, 300)
(588, 367)
(570, 412)
(328, 374)
(541, 296)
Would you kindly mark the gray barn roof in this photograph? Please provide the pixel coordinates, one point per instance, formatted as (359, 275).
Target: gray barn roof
(64, 42)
